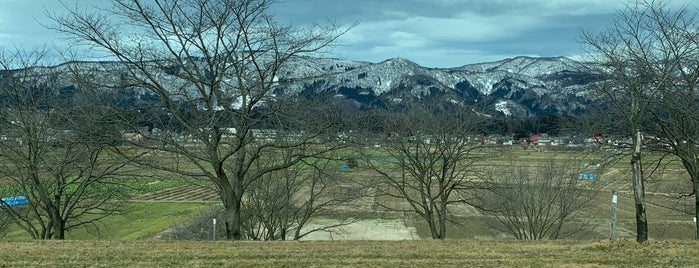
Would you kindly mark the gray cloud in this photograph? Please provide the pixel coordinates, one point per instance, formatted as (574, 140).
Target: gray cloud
(434, 33)
(442, 33)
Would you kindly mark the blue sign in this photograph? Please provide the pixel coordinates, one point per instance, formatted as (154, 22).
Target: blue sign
(587, 176)
(14, 201)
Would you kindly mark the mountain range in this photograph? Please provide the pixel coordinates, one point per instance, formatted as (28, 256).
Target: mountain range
(516, 87)
(521, 86)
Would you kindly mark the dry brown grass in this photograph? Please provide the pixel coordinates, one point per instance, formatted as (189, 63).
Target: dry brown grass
(421, 253)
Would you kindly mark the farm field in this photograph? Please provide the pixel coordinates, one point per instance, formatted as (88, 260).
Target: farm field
(161, 204)
(423, 253)
(669, 216)
(145, 220)
(184, 193)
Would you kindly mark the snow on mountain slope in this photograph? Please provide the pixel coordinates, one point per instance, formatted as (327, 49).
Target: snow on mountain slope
(520, 86)
(533, 85)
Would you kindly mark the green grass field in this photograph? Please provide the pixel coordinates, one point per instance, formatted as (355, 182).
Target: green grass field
(143, 220)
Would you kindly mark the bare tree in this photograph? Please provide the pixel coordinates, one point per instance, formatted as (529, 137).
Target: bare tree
(621, 52)
(649, 55)
(533, 203)
(49, 154)
(281, 204)
(223, 58)
(427, 162)
(676, 50)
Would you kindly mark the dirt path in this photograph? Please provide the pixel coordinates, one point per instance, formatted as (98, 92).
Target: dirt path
(367, 229)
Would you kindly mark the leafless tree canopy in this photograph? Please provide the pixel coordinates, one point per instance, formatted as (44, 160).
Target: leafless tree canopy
(427, 161)
(223, 58)
(50, 155)
(649, 53)
(534, 203)
(280, 204)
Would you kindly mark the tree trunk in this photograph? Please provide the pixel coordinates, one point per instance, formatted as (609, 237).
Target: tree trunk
(695, 182)
(233, 220)
(237, 222)
(59, 230)
(232, 214)
(56, 226)
(691, 167)
(429, 217)
(443, 218)
(639, 190)
(433, 229)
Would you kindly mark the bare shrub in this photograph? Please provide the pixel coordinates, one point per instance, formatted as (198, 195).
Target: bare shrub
(533, 203)
(199, 227)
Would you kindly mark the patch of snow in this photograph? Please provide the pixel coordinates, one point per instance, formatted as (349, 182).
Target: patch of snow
(383, 87)
(501, 106)
(540, 91)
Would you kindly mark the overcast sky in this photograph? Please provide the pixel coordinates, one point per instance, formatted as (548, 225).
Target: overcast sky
(433, 33)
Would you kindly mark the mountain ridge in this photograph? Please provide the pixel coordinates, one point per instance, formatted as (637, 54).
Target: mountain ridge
(519, 87)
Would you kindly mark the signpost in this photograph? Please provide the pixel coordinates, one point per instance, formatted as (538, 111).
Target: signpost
(696, 232)
(612, 232)
(214, 229)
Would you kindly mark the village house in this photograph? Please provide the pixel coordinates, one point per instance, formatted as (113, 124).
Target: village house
(540, 139)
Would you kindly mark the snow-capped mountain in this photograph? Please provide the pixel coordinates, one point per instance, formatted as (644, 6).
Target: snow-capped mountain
(519, 86)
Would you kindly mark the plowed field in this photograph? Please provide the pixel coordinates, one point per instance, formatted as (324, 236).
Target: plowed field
(188, 193)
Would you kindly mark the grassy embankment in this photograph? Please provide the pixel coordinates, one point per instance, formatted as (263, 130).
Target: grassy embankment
(420, 253)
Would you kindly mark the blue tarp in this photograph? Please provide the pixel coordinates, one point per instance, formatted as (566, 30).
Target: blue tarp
(589, 176)
(14, 201)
